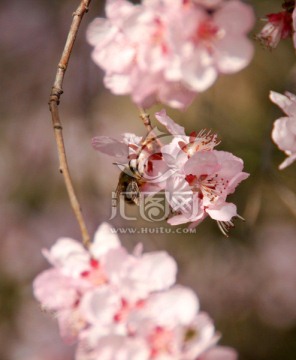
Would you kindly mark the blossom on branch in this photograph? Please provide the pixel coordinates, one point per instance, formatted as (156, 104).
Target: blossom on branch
(147, 52)
(117, 305)
(284, 128)
(195, 177)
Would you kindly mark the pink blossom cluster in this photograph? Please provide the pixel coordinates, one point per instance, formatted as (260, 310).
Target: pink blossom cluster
(167, 51)
(195, 177)
(124, 306)
(284, 128)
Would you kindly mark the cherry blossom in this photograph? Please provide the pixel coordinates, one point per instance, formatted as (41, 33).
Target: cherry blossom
(146, 51)
(77, 272)
(284, 128)
(202, 177)
(120, 305)
(278, 26)
(195, 177)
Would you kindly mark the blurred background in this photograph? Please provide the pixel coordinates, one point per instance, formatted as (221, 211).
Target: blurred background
(246, 282)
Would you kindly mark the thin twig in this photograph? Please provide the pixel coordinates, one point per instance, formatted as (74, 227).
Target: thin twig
(146, 119)
(54, 101)
(147, 123)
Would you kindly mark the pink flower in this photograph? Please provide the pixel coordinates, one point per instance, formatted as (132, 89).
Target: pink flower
(202, 177)
(284, 129)
(146, 51)
(196, 178)
(120, 305)
(106, 268)
(279, 26)
(76, 271)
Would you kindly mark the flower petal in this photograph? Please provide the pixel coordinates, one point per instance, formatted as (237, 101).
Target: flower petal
(172, 127)
(104, 241)
(223, 212)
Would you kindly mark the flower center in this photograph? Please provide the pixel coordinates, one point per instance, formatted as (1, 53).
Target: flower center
(95, 275)
(158, 35)
(160, 341)
(207, 33)
(207, 186)
(203, 141)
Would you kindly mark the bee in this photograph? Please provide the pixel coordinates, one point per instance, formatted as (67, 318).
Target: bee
(132, 177)
(129, 183)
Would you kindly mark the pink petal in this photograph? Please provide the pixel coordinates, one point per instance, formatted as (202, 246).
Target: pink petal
(113, 347)
(230, 165)
(196, 222)
(284, 134)
(204, 338)
(110, 146)
(100, 32)
(235, 181)
(235, 17)
(119, 84)
(178, 220)
(54, 290)
(115, 57)
(104, 240)
(220, 353)
(288, 161)
(223, 212)
(144, 87)
(177, 306)
(68, 255)
(199, 72)
(157, 270)
(202, 163)
(119, 9)
(172, 127)
(286, 102)
(99, 306)
(233, 53)
(175, 95)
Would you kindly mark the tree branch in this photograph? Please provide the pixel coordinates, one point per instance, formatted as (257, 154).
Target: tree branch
(54, 101)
